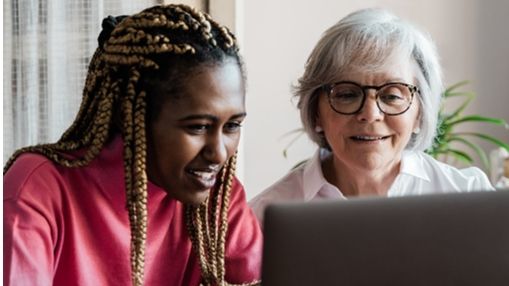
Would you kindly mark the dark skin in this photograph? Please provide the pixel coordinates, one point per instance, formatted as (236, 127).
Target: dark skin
(196, 132)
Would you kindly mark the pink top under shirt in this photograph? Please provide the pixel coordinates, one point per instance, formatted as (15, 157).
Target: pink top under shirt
(70, 226)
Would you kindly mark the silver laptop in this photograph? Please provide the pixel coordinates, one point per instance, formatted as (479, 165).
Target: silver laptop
(433, 240)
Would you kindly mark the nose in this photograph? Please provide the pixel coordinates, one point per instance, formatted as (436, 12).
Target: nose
(370, 111)
(215, 150)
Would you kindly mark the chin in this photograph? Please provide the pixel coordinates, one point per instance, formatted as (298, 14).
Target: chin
(370, 161)
(195, 199)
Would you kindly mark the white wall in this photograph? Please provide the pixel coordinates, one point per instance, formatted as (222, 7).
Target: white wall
(472, 37)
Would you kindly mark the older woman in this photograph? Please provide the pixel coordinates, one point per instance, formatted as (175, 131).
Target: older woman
(370, 97)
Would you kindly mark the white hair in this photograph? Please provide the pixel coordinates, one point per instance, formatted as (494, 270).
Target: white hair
(367, 40)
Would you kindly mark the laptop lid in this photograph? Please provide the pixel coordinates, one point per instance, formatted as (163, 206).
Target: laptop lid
(448, 239)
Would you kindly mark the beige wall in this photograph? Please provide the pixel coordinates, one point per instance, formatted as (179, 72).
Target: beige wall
(277, 36)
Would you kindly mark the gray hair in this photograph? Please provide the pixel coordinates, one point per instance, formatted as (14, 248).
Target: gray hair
(367, 40)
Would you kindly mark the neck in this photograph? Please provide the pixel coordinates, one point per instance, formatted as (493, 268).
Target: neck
(356, 182)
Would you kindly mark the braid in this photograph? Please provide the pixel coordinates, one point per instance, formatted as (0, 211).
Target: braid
(139, 186)
(212, 232)
(203, 242)
(201, 224)
(128, 53)
(223, 225)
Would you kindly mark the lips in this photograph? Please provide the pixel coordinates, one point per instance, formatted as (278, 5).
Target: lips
(204, 179)
(369, 137)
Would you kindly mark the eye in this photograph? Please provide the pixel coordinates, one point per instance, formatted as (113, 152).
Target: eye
(197, 128)
(346, 93)
(232, 127)
(394, 94)
(391, 97)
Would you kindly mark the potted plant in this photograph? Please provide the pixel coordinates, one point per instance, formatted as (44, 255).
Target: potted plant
(447, 134)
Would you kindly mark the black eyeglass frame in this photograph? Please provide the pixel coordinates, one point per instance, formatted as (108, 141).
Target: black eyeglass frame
(328, 88)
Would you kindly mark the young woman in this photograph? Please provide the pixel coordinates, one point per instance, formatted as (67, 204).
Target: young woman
(141, 189)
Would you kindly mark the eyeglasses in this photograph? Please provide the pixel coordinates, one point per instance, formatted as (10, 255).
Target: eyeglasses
(393, 98)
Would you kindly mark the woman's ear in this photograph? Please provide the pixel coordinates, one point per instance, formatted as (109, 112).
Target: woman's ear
(318, 123)
(417, 123)
(322, 140)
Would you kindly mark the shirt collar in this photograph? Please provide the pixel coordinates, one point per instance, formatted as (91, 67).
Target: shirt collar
(412, 164)
(313, 179)
(111, 164)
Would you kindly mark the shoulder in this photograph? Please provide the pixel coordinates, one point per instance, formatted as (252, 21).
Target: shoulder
(244, 239)
(237, 191)
(285, 189)
(448, 177)
(29, 171)
(34, 191)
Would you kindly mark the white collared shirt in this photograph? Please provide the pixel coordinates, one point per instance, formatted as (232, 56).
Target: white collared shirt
(419, 174)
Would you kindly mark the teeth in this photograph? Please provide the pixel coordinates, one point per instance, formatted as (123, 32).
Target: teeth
(368, 137)
(203, 175)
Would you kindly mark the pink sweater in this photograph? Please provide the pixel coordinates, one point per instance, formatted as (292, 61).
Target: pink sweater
(70, 226)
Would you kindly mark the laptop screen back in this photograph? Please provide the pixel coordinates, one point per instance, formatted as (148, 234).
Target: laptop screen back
(450, 239)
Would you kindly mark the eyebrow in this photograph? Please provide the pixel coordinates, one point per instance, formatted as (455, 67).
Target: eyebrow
(397, 79)
(210, 117)
(392, 79)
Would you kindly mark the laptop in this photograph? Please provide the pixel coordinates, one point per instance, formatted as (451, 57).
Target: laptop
(432, 240)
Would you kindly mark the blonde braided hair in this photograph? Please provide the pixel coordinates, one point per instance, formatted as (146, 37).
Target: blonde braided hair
(114, 89)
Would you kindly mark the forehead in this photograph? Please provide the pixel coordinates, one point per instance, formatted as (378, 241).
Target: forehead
(393, 69)
(210, 89)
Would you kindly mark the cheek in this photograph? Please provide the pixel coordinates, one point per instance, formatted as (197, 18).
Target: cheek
(172, 148)
(405, 125)
(232, 144)
(334, 125)
(416, 115)
(328, 118)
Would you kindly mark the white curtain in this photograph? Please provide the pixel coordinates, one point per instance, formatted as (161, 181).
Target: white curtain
(47, 47)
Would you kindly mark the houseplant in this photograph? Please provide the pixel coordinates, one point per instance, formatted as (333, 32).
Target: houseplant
(447, 135)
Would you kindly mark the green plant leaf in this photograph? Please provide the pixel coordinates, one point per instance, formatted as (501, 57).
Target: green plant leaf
(300, 132)
(460, 155)
(460, 109)
(299, 164)
(480, 152)
(487, 138)
(479, 118)
(459, 93)
(455, 86)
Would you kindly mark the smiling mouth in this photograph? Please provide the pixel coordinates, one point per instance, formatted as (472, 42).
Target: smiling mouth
(203, 175)
(203, 179)
(369, 138)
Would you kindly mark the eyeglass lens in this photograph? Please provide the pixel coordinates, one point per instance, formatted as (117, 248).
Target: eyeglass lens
(392, 98)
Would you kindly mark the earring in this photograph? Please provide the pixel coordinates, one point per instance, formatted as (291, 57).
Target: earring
(318, 129)
(417, 130)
